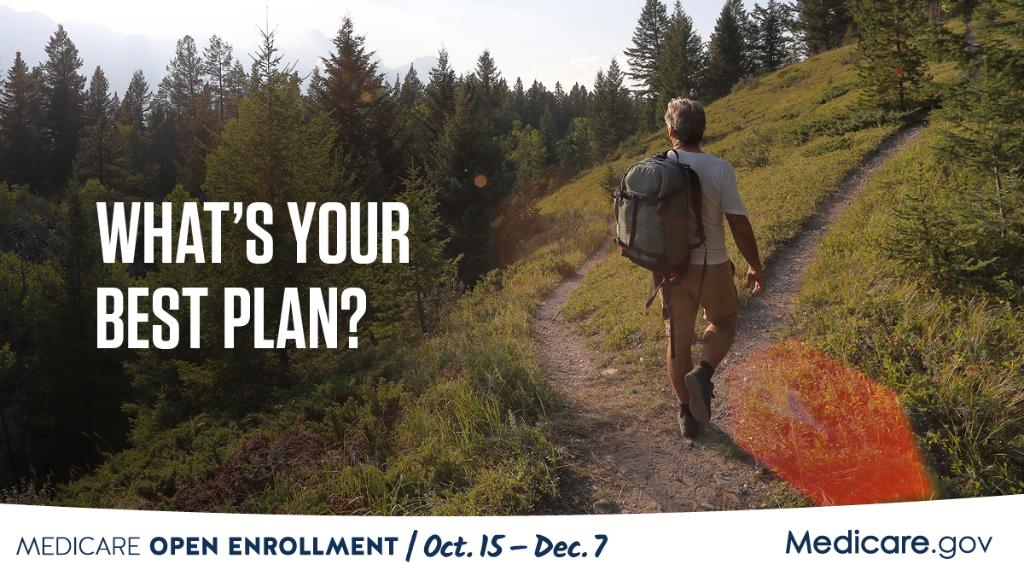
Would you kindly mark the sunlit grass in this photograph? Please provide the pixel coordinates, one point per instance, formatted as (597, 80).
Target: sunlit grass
(956, 360)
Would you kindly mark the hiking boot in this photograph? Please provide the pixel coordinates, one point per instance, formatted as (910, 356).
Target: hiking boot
(688, 425)
(701, 391)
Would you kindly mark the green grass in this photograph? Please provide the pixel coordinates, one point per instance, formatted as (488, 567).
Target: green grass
(955, 358)
(792, 137)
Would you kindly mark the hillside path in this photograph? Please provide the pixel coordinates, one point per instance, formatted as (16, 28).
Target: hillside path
(618, 427)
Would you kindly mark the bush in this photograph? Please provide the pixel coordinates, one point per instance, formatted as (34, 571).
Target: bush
(959, 233)
(752, 151)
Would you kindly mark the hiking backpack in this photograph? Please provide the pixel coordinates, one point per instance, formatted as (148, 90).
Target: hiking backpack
(657, 217)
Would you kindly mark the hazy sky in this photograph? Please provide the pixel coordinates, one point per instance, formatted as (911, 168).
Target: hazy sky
(551, 40)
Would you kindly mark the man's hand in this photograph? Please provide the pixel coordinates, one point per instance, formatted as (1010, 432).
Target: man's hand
(743, 233)
(755, 280)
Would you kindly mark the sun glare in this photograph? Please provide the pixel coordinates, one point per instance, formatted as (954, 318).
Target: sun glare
(834, 433)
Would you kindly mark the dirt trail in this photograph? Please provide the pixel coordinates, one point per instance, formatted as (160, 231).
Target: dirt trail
(618, 426)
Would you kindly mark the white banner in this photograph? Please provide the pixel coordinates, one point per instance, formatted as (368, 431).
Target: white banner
(938, 537)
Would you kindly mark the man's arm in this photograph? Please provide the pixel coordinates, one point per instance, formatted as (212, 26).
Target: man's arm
(743, 234)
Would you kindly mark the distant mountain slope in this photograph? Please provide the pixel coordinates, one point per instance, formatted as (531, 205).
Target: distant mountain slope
(119, 54)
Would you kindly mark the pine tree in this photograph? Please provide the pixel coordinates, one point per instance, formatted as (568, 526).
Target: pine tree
(984, 110)
(491, 96)
(96, 155)
(184, 81)
(439, 96)
(216, 66)
(610, 116)
(561, 104)
(574, 150)
(822, 24)
(135, 105)
(537, 98)
(648, 43)
(527, 153)
(62, 95)
(549, 133)
(727, 52)
(519, 99)
(134, 137)
(610, 180)
(188, 115)
(467, 169)
(421, 283)
(357, 98)
(578, 102)
(892, 61)
(272, 154)
(748, 36)
(19, 125)
(412, 90)
(237, 82)
(682, 65)
(414, 134)
(772, 47)
(315, 90)
(488, 79)
(964, 231)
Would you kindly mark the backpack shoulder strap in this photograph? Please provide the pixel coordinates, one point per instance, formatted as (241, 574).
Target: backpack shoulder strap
(698, 211)
(696, 199)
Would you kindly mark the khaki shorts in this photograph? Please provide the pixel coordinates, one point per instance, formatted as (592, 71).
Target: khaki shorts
(717, 297)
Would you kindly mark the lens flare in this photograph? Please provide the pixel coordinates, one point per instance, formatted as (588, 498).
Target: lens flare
(480, 181)
(832, 432)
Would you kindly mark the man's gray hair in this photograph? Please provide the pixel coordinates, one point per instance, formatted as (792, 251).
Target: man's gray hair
(686, 117)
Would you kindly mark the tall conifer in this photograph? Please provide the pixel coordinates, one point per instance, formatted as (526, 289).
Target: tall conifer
(610, 116)
(727, 53)
(62, 97)
(682, 66)
(96, 156)
(19, 125)
(821, 24)
(648, 43)
(892, 60)
(358, 100)
(773, 45)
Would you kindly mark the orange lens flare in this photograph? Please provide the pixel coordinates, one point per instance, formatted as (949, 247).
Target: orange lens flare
(832, 432)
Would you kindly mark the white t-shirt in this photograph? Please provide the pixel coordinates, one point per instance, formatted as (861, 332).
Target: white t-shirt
(720, 196)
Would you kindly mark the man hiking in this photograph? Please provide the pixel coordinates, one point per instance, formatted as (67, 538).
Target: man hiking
(711, 288)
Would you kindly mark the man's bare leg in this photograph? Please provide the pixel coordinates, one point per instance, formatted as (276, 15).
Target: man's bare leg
(718, 339)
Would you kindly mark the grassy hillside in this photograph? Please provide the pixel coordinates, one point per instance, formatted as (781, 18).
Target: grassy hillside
(457, 424)
(954, 354)
(792, 137)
